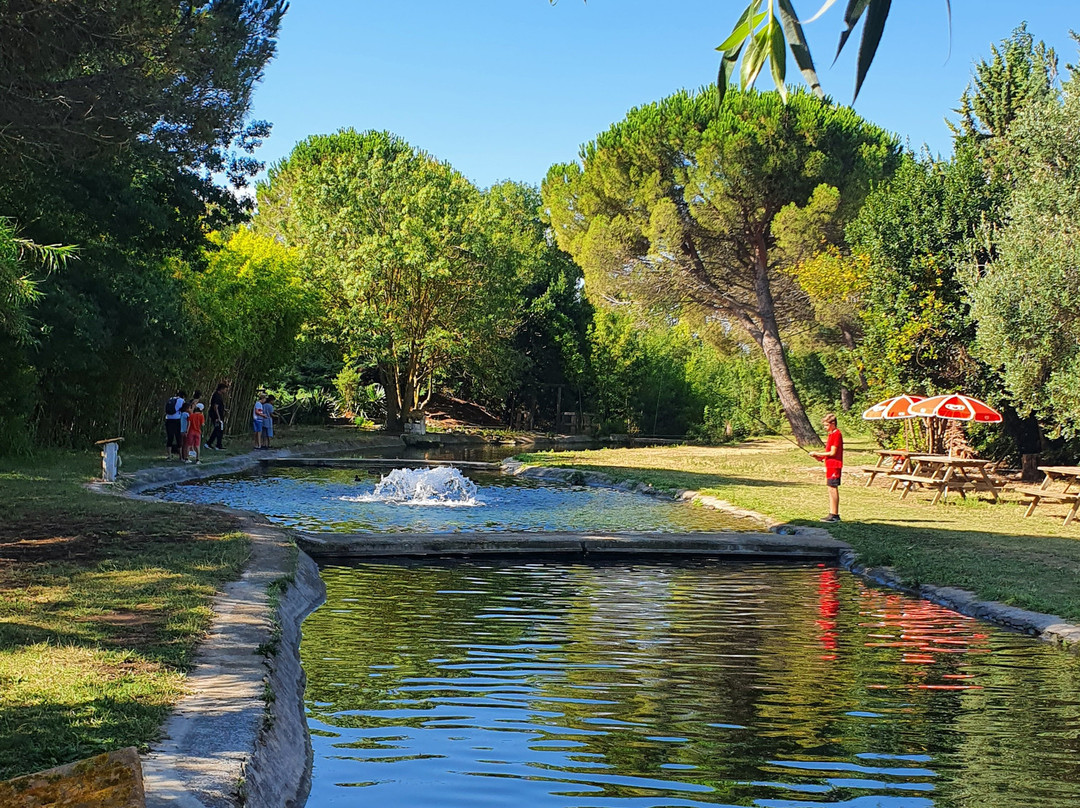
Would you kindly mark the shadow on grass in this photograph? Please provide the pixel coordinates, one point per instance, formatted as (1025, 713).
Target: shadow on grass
(691, 480)
(50, 734)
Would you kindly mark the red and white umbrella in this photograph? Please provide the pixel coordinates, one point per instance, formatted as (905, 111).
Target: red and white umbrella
(956, 406)
(892, 408)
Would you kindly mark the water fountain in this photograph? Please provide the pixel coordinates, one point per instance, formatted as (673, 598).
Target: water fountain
(442, 485)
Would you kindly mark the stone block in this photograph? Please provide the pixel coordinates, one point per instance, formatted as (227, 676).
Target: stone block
(112, 780)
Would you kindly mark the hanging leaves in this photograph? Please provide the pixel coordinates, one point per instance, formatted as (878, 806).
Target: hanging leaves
(767, 29)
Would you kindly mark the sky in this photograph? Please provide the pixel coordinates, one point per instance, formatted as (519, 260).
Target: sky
(503, 89)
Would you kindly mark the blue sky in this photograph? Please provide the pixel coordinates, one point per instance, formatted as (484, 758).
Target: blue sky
(504, 88)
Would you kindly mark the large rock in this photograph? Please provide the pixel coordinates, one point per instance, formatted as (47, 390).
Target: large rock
(112, 780)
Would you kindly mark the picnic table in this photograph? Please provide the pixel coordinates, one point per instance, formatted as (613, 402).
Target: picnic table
(890, 461)
(1060, 484)
(945, 473)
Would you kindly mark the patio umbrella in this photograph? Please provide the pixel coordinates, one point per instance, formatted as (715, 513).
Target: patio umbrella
(957, 407)
(892, 408)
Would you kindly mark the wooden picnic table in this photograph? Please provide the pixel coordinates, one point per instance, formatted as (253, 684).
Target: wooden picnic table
(1060, 484)
(890, 461)
(945, 473)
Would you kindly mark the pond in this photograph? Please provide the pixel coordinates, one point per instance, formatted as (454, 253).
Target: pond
(697, 684)
(338, 500)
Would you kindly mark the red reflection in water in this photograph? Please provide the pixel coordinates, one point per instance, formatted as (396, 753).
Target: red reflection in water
(828, 609)
(934, 640)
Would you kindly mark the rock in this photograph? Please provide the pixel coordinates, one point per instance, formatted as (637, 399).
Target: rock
(112, 780)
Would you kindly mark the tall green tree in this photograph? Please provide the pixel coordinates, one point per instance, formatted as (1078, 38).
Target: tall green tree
(401, 245)
(1027, 304)
(1020, 72)
(676, 203)
(116, 119)
(80, 80)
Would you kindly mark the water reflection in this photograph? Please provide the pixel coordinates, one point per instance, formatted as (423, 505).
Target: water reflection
(539, 684)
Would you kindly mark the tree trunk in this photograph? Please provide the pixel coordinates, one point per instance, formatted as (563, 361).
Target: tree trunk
(785, 390)
(774, 351)
(1028, 438)
(849, 343)
(847, 398)
(394, 416)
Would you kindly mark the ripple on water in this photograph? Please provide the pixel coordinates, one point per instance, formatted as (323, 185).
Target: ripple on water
(702, 684)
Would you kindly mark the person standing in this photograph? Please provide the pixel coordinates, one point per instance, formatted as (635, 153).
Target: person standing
(173, 408)
(217, 417)
(257, 419)
(193, 443)
(185, 417)
(834, 465)
(268, 421)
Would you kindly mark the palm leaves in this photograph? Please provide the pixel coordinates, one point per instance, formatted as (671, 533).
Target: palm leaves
(761, 34)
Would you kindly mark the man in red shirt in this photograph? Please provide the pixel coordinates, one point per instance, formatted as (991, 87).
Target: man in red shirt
(834, 465)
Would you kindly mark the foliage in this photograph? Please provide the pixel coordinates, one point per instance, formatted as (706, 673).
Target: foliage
(116, 120)
(1026, 305)
(764, 35)
(673, 207)
(85, 81)
(412, 259)
(544, 345)
(920, 233)
(245, 309)
(1021, 72)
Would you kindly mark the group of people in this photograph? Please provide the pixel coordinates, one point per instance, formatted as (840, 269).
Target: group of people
(184, 422)
(262, 420)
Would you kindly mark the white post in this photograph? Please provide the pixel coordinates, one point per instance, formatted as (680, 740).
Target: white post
(110, 458)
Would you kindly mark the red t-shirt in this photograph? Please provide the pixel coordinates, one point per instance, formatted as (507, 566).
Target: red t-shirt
(195, 423)
(834, 464)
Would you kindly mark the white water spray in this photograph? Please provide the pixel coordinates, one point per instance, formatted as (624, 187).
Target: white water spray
(442, 485)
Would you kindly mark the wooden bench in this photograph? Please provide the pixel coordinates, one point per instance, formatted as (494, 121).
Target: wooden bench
(1038, 494)
(873, 471)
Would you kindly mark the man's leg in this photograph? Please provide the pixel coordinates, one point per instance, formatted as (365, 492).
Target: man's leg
(834, 500)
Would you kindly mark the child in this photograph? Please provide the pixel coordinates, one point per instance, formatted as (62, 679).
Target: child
(834, 465)
(185, 419)
(194, 435)
(268, 421)
(257, 419)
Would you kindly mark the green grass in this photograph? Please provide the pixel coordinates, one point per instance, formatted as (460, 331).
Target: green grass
(990, 549)
(102, 602)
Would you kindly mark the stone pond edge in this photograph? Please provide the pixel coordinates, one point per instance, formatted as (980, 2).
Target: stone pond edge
(275, 768)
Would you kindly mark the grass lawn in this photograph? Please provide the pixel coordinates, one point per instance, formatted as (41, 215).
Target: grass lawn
(102, 601)
(990, 549)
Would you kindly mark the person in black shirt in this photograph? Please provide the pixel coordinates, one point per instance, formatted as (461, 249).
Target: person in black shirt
(217, 417)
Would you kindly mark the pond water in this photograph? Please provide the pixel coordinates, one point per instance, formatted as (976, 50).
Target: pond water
(333, 500)
(699, 684)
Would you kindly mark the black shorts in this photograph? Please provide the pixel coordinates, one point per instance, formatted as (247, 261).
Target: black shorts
(832, 482)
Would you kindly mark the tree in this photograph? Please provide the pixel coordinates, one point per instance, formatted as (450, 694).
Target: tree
(84, 81)
(402, 247)
(1027, 304)
(676, 204)
(921, 233)
(1021, 72)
